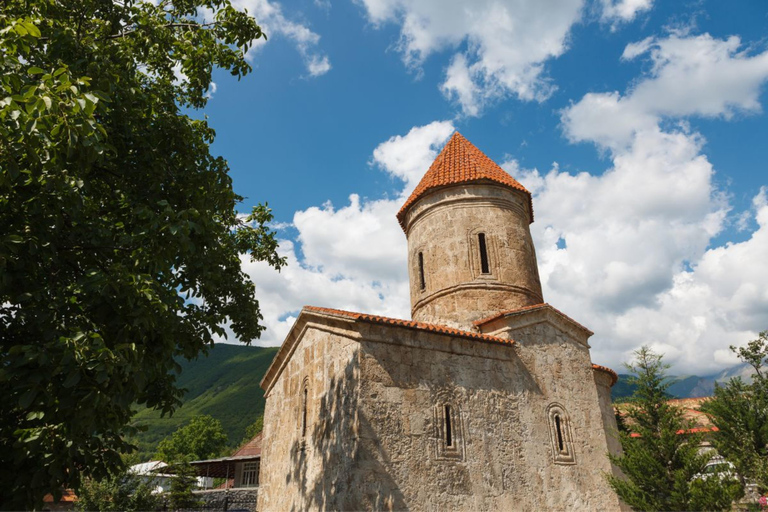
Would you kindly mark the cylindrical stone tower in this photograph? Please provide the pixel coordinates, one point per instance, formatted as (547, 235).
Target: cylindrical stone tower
(470, 252)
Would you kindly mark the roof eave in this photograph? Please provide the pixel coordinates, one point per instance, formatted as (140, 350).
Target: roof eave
(411, 201)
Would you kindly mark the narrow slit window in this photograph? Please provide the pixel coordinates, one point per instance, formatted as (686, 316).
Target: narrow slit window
(304, 414)
(448, 432)
(560, 434)
(484, 268)
(422, 282)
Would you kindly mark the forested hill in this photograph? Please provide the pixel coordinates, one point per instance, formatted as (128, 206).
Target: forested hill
(224, 385)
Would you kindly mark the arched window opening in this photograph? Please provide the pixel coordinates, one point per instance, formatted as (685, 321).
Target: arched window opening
(559, 432)
(561, 435)
(304, 413)
(448, 431)
(422, 281)
(484, 267)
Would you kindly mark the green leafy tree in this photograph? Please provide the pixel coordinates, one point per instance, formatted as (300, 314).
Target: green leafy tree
(661, 460)
(123, 491)
(120, 243)
(740, 412)
(202, 438)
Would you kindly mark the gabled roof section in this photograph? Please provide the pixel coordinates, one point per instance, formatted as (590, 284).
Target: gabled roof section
(524, 309)
(442, 329)
(461, 162)
(251, 448)
(326, 315)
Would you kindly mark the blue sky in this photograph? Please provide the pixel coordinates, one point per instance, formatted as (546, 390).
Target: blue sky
(639, 125)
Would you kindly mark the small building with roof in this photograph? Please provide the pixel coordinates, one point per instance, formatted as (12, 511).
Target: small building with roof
(239, 470)
(487, 399)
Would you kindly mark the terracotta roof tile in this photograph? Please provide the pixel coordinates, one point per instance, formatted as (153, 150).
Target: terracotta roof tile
(527, 308)
(251, 448)
(460, 162)
(442, 329)
(613, 374)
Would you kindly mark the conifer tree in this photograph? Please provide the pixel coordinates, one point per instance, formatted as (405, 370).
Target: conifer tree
(661, 458)
(740, 412)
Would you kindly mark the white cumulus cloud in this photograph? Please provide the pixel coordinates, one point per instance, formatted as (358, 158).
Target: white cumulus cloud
(269, 15)
(689, 76)
(500, 46)
(629, 251)
(619, 11)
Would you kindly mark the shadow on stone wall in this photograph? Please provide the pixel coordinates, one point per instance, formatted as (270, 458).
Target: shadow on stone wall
(347, 474)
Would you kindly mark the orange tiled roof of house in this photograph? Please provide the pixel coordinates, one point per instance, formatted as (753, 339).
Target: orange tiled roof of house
(461, 162)
(442, 329)
(691, 412)
(249, 449)
(690, 407)
(67, 496)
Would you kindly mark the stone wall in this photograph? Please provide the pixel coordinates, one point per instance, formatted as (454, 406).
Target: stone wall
(377, 423)
(308, 468)
(443, 226)
(506, 454)
(221, 500)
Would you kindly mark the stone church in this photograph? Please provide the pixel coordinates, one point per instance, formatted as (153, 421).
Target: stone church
(486, 400)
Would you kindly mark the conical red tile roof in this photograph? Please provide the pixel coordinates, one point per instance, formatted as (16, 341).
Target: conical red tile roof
(460, 162)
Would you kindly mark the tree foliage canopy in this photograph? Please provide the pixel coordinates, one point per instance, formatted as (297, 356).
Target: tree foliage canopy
(740, 412)
(124, 492)
(120, 247)
(202, 438)
(663, 466)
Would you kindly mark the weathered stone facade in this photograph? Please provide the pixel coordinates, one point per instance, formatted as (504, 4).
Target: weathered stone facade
(488, 401)
(444, 228)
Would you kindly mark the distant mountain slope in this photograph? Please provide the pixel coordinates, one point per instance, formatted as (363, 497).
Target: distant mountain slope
(688, 386)
(225, 385)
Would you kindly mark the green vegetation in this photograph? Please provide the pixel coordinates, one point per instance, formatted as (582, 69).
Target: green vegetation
(121, 492)
(201, 438)
(120, 244)
(664, 469)
(740, 412)
(180, 495)
(253, 430)
(225, 385)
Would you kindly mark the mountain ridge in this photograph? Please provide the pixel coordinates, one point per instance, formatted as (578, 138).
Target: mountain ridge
(688, 386)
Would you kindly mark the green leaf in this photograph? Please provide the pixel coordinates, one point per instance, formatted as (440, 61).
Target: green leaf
(26, 399)
(72, 379)
(31, 29)
(34, 70)
(36, 415)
